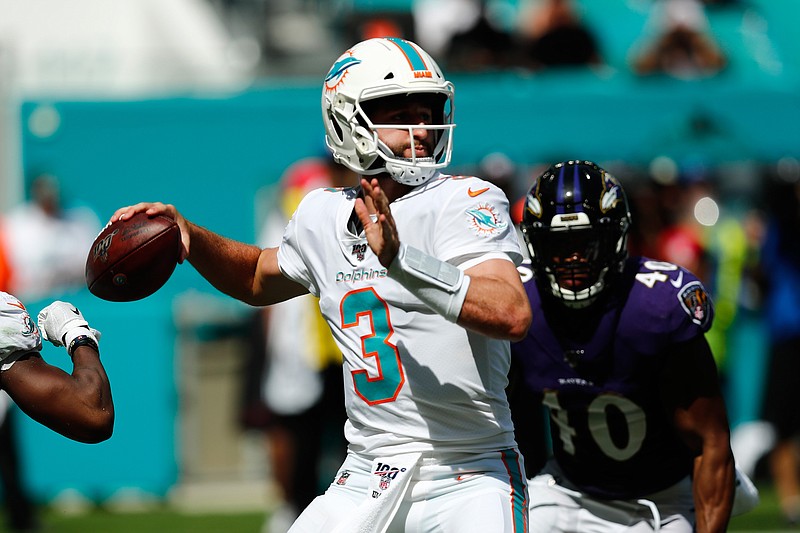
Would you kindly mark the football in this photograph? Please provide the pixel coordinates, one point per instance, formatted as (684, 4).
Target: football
(133, 258)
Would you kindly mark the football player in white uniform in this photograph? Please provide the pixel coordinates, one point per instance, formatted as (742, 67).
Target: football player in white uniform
(416, 275)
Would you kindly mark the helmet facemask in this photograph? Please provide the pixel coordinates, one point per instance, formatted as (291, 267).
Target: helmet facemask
(574, 261)
(414, 170)
(575, 225)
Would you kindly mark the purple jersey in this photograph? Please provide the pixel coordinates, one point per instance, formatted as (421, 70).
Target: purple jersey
(597, 370)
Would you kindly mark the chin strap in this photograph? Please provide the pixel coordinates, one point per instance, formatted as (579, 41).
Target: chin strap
(409, 174)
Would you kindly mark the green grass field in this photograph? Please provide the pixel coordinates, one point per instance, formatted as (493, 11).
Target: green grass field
(765, 518)
(155, 521)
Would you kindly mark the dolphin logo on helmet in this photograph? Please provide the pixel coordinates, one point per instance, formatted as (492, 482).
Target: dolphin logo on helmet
(338, 71)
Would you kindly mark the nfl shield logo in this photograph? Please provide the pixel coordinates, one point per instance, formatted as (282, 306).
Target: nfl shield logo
(359, 250)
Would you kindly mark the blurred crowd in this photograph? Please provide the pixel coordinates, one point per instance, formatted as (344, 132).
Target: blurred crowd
(676, 38)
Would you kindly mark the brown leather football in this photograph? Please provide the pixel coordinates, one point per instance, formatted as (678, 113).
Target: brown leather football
(133, 258)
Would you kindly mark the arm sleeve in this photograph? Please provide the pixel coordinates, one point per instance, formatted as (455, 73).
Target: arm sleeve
(290, 254)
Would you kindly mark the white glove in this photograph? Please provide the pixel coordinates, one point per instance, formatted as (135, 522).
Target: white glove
(61, 323)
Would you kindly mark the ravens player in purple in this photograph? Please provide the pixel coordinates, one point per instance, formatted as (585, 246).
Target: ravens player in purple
(617, 353)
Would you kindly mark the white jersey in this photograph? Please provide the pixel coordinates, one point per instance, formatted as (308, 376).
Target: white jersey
(414, 382)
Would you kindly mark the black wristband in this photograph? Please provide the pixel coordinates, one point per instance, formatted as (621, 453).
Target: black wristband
(81, 340)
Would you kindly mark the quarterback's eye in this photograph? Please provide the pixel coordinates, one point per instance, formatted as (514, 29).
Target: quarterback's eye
(399, 117)
(410, 114)
(425, 116)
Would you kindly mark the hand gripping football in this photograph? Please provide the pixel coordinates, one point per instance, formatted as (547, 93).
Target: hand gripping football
(133, 258)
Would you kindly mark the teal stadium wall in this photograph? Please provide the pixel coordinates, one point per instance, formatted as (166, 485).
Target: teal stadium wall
(211, 155)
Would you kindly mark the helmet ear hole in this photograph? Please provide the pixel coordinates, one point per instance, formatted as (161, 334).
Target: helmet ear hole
(364, 140)
(335, 128)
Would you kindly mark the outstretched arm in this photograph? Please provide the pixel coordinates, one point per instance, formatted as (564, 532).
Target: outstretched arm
(493, 301)
(690, 388)
(77, 405)
(243, 271)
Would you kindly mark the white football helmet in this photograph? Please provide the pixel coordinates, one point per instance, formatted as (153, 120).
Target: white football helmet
(377, 68)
